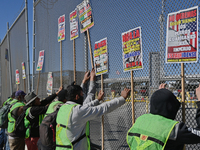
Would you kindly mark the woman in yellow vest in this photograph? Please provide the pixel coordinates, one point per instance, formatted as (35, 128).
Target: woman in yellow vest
(158, 130)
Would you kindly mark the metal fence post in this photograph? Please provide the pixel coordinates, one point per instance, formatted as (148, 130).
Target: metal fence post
(9, 58)
(27, 44)
(33, 54)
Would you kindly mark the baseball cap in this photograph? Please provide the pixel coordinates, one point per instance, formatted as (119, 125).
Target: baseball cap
(19, 93)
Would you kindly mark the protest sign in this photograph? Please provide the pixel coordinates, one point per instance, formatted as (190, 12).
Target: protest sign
(85, 16)
(61, 28)
(101, 57)
(182, 36)
(132, 49)
(40, 61)
(73, 17)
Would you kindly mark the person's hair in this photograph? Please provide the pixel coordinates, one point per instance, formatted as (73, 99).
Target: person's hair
(72, 91)
(13, 95)
(62, 95)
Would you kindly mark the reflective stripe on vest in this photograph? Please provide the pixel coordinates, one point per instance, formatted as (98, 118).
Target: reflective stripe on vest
(7, 101)
(27, 123)
(150, 132)
(11, 120)
(51, 107)
(62, 141)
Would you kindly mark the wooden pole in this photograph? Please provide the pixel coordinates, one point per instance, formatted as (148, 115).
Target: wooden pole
(25, 85)
(38, 83)
(183, 93)
(102, 120)
(132, 98)
(60, 63)
(91, 58)
(74, 60)
(17, 87)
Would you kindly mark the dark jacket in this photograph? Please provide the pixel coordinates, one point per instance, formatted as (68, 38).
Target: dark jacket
(34, 113)
(164, 103)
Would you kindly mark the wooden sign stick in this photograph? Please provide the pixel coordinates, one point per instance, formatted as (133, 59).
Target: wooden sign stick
(74, 50)
(132, 98)
(38, 83)
(91, 58)
(60, 63)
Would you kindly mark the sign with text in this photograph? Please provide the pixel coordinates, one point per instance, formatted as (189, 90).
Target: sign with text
(17, 76)
(73, 17)
(61, 28)
(23, 71)
(101, 56)
(49, 83)
(132, 49)
(182, 36)
(85, 15)
(40, 61)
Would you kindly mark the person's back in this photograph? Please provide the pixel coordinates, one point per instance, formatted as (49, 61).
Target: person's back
(16, 142)
(75, 114)
(171, 135)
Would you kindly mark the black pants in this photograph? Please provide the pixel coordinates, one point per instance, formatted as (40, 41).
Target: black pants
(43, 147)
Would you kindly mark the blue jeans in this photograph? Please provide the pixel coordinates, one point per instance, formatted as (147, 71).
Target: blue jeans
(3, 139)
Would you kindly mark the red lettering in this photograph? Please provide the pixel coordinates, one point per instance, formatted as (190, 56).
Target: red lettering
(171, 18)
(195, 12)
(124, 38)
(131, 35)
(95, 47)
(137, 33)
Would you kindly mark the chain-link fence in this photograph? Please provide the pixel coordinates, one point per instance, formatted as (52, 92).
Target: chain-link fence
(111, 19)
(13, 53)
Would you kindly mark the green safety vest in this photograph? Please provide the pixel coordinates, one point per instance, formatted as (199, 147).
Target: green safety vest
(10, 101)
(62, 141)
(27, 123)
(150, 132)
(51, 107)
(11, 120)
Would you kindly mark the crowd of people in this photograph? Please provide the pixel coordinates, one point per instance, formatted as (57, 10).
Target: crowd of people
(73, 110)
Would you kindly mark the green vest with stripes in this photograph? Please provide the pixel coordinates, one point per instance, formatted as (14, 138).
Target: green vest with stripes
(62, 141)
(27, 123)
(7, 101)
(51, 107)
(11, 120)
(150, 132)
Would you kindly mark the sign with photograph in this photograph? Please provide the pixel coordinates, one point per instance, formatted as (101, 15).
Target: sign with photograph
(182, 36)
(132, 49)
(101, 57)
(85, 15)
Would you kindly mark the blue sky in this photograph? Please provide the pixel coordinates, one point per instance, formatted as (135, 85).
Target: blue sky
(9, 10)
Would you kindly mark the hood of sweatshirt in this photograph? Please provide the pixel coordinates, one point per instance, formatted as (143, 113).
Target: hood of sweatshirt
(163, 102)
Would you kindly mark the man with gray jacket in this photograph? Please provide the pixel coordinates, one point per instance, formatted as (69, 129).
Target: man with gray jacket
(73, 116)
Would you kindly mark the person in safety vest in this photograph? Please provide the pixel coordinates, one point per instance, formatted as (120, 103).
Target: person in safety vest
(158, 130)
(15, 141)
(62, 95)
(34, 113)
(3, 137)
(72, 130)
